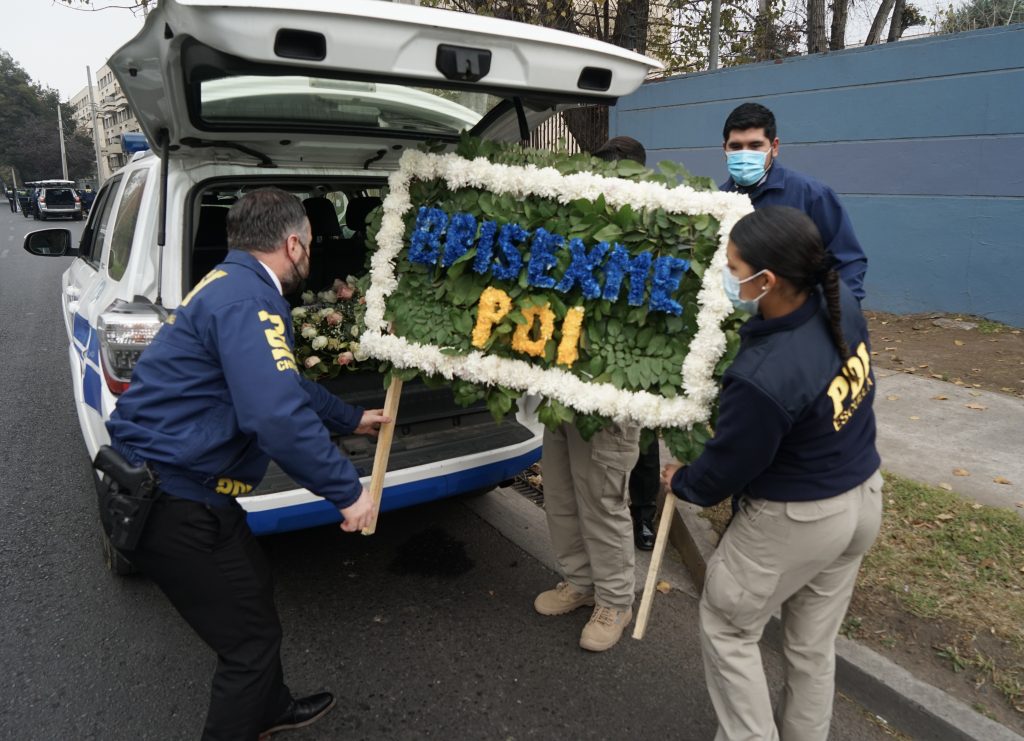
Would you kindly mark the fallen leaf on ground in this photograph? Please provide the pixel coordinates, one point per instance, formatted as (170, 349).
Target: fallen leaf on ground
(988, 563)
(947, 487)
(941, 397)
(961, 472)
(958, 343)
(915, 417)
(944, 516)
(1002, 480)
(892, 397)
(664, 587)
(974, 393)
(923, 366)
(892, 349)
(979, 407)
(975, 506)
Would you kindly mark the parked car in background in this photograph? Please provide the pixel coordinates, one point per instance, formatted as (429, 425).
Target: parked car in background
(58, 198)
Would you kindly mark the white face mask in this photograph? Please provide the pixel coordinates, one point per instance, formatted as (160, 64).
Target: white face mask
(732, 284)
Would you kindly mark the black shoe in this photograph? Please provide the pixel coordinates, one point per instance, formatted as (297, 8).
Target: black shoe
(301, 712)
(643, 534)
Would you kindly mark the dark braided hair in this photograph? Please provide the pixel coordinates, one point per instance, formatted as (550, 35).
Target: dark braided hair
(786, 241)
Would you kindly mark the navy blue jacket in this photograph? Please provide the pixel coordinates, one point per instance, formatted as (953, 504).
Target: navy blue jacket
(795, 422)
(782, 187)
(217, 395)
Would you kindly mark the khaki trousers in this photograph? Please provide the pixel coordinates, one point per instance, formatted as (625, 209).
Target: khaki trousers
(804, 558)
(586, 498)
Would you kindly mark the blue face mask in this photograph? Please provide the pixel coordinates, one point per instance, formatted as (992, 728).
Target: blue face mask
(732, 284)
(745, 166)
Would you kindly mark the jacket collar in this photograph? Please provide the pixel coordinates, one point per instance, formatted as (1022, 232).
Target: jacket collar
(758, 326)
(245, 259)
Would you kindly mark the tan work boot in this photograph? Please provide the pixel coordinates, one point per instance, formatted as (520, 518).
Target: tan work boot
(560, 600)
(605, 627)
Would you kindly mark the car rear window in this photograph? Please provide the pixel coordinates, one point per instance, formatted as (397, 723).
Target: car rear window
(60, 196)
(293, 101)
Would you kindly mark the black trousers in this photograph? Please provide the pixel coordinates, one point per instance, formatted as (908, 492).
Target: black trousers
(208, 563)
(644, 481)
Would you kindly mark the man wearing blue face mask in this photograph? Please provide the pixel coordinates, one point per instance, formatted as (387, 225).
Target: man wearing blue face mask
(751, 150)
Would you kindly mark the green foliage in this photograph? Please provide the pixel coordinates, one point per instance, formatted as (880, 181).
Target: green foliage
(975, 14)
(29, 140)
(626, 346)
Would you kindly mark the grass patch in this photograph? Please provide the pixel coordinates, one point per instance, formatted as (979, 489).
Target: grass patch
(945, 557)
(986, 326)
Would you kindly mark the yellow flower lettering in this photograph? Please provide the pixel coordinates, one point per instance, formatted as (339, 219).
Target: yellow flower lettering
(521, 341)
(494, 304)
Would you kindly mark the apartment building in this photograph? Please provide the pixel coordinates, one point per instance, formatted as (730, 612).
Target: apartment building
(116, 118)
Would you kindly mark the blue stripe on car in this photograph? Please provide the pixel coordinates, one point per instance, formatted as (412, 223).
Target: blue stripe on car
(81, 330)
(91, 387)
(322, 512)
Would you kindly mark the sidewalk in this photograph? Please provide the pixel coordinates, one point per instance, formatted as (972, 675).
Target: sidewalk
(924, 437)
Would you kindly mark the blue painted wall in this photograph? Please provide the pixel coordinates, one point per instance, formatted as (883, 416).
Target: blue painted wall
(922, 140)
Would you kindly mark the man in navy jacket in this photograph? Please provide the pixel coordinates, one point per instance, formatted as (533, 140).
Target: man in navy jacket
(212, 399)
(751, 150)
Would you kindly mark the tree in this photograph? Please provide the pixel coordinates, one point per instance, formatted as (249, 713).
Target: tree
(816, 41)
(979, 14)
(29, 139)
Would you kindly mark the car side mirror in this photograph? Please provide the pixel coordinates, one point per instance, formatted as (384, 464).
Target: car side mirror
(50, 243)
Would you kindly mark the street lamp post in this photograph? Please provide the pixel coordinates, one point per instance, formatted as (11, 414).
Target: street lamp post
(60, 128)
(95, 132)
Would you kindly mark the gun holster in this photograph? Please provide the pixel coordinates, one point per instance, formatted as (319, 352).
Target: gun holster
(126, 496)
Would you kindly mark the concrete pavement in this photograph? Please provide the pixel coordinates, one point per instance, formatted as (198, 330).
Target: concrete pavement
(927, 428)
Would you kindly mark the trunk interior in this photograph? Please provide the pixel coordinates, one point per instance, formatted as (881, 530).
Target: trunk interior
(431, 427)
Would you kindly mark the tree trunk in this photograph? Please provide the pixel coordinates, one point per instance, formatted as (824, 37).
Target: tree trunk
(631, 23)
(896, 25)
(588, 126)
(816, 42)
(837, 36)
(875, 34)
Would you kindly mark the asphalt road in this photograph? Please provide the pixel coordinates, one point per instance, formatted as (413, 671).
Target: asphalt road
(425, 630)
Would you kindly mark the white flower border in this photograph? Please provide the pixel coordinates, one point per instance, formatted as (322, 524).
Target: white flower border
(639, 407)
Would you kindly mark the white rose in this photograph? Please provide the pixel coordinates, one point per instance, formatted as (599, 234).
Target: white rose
(311, 361)
(328, 297)
(308, 297)
(319, 342)
(298, 312)
(308, 331)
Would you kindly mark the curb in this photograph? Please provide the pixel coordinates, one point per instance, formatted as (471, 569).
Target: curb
(896, 696)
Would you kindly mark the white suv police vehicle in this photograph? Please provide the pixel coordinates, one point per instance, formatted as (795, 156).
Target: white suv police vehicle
(320, 100)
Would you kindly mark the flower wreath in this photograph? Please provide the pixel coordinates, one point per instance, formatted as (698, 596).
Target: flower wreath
(532, 279)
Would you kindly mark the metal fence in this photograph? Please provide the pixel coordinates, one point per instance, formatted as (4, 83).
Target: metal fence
(573, 131)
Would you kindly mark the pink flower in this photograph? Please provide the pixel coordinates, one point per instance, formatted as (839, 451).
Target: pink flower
(335, 319)
(343, 290)
(311, 361)
(345, 358)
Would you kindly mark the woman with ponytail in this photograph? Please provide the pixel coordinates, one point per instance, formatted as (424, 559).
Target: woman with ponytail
(794, 446)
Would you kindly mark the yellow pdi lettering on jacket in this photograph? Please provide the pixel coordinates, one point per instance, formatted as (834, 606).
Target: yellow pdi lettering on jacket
(851, 386)
(232, 488)
(207, 280)
(278, 342)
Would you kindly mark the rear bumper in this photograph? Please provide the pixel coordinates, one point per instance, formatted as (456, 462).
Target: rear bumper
(321, 512)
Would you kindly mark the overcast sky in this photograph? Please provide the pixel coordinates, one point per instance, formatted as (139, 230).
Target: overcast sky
(54, 43)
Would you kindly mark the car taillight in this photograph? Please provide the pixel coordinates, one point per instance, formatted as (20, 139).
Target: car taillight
(77, 199)
(125, 330)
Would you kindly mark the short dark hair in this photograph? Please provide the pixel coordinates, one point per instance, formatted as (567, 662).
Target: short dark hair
(262, 219)
(750, 116)
(622, 148)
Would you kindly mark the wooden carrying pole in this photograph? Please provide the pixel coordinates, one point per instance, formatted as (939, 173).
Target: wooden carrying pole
(380, 458)
(647, 601)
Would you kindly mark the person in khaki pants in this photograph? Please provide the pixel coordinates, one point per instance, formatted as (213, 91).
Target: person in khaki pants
(586, 498)
(795, 444)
